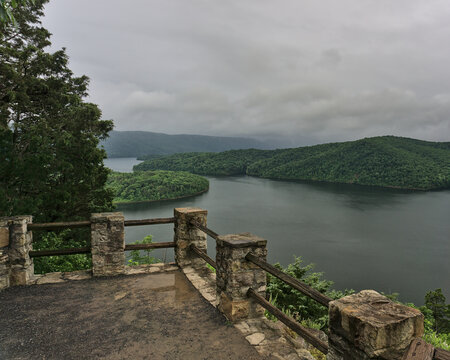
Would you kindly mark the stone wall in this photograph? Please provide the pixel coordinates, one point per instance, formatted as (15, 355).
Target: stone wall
(362, 326)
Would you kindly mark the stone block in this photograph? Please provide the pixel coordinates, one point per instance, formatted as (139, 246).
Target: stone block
(370, 326)
(4, 236)
(235, 275)
(5, 270)
(234, 310)
(187, 235)
(108, 244)
(241, 241)
(20, 244)
(20, 276)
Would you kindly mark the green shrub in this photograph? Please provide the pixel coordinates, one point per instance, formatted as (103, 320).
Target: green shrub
(294, 303)
(140, 257)
(69, 238)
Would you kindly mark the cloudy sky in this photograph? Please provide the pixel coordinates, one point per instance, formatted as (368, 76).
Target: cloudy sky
(305, 71)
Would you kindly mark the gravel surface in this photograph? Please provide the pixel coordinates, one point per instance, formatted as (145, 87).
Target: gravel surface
(158, 316)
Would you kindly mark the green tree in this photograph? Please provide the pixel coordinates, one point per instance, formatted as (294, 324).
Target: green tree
(50, 163)
(435, 302)
(6, 10)
(294, 303)
(136, 258)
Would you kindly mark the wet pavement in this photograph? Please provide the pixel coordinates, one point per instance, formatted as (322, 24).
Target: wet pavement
(157, 316)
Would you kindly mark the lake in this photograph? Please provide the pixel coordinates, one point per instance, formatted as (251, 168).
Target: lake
(360, 237)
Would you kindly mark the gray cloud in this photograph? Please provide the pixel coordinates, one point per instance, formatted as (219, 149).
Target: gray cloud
(319, 70)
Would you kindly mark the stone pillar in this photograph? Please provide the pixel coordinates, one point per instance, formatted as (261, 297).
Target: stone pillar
(107, 244)
(235, 275)
(367, 325)
(5, 270)
(20, 244)
(5, 267)
(186, 235)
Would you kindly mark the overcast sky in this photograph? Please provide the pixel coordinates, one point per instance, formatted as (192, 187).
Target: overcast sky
(310, 71)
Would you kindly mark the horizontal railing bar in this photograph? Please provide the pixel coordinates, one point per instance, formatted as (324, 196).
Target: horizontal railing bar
(71, 251)
(77, 224)
(296, 284)
(149, 221)
(57, 225)
(204, 256)
(206, 230)
(158, 245)
(289, 322)
(440, 354)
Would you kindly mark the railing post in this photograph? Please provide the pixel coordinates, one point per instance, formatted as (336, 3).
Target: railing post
(187, 234)
(235, 275)
(5, 266)
(107, 244)
(16, 266)
(5, 270)
(367, 325)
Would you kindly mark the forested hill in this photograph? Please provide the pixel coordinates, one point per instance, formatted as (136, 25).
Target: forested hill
(142, 143)
(386, 161)
(155, 185)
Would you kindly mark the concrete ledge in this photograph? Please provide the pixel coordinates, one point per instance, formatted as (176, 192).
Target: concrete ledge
(242, 240)
(59, 277)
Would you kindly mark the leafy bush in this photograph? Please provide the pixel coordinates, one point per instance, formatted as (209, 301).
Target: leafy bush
(61, 240)
(294, 303)
(313, 315)
(136, 258)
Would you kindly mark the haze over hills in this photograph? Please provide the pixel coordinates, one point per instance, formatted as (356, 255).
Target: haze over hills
(142, 143)
(386, 161)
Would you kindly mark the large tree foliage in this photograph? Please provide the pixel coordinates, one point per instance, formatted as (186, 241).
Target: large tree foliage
(50, 165)
(6, 10)
(435, 302)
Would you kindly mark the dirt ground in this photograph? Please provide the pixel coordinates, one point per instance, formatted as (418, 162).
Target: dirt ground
(157, 316)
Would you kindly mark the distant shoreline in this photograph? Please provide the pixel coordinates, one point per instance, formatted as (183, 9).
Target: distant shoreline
(384, 161)
(166, 199)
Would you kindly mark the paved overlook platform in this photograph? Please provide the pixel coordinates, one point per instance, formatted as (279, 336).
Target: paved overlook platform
(151, 316)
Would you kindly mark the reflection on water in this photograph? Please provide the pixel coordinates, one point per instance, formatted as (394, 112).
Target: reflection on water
(361, 237)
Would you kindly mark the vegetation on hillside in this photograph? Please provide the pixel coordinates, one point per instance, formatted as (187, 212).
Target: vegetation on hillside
(233, 162)
(143, 143)
(155, 185)
(386, 161)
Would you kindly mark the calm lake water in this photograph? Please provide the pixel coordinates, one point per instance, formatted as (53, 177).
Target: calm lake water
(360, 237)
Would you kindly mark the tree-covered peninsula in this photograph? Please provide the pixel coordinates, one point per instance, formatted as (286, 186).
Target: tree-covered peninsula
(386, 161)
(155, 185)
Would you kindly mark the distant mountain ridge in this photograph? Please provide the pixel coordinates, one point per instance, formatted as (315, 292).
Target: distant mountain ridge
(142, 143)
(386, 161)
